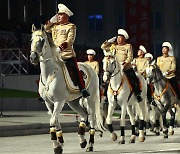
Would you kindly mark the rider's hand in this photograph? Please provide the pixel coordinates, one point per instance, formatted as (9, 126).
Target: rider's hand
(112, 39)
(58, 49)
(165, 74)
(54, 19)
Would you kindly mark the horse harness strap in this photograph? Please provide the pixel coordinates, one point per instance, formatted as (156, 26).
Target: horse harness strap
(116, 92)
(162, 93)
(49, 80)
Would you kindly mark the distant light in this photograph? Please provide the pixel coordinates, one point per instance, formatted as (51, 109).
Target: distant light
(96, 16)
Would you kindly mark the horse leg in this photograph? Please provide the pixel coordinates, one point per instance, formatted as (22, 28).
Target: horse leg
(141, 109)
(132, 120)
(122, 123)
(92, 130)
(82, 125)
(55, 129)
(111, 108)
(165, 129)
(157, 122)
(171, 124)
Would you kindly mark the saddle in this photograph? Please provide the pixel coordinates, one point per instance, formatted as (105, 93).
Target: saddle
(72, 75)
(71, 80)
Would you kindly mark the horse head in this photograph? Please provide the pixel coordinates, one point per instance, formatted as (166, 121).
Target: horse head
(37, 43)
(109, 64)
(153, 73)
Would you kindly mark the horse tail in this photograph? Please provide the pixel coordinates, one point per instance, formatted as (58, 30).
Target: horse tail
(99, 119)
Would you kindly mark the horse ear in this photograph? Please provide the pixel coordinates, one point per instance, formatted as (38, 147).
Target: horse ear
(42, 27)
(33, 28)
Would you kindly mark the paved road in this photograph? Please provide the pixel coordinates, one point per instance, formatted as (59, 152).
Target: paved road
(41, 144)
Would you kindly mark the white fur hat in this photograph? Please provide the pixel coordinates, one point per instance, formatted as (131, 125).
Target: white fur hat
(63, 9)
(167, 44)
(124, 33)
(148, 55)
(91, 52)
(142, 48)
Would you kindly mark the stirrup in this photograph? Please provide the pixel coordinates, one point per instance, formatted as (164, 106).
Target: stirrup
(85, 93)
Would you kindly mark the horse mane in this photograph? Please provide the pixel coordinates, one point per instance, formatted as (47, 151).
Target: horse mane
(50, 40)
(158, 71)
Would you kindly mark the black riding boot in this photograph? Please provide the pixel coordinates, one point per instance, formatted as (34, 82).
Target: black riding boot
(134, 81)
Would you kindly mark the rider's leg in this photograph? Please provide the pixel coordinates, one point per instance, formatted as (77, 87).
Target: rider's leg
(134, 83)
(72, 64)
(174, 83)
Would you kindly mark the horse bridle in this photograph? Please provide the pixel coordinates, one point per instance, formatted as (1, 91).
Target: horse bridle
(41, 54)
(110, 73)
(157, 80)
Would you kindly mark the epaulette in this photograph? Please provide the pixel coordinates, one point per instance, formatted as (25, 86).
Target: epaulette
(128, 45)
(71, 24)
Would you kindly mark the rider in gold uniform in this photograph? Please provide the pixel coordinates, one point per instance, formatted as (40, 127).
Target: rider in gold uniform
(124, 56)
(167, 65)
(91, 62)
(63, 34)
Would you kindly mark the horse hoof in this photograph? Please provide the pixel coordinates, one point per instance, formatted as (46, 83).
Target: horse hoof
(89, 149)
(165, 136)
(145, 133)
(83, 144)
(132, 141)
(171, 133)
(137, 134)
(101, 135)
(122, 142)
(58, 150)
(113, 136)
(157, 133)
(142, 139)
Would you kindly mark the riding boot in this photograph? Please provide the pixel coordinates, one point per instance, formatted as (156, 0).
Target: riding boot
(134, 81)
(149, 95)
(174, 83)
(72, 67)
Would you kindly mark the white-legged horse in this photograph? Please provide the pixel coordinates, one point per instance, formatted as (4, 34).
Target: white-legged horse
(119, 92)
(56, 89)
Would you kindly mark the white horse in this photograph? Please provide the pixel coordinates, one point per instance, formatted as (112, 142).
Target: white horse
(119, 92)
(56, 88)
(163, 96)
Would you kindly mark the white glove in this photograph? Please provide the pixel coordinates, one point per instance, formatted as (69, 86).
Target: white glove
(58, 50)
(165, 74)
(112, 39)
(54, 19)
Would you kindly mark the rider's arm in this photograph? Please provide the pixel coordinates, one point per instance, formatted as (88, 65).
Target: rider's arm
(71, 35)
(173, 65)
(129, 54)
(106, 45)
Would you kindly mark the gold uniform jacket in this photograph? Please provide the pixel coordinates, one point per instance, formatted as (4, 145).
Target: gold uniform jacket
(167, 64)
(62, 33)
(123, 53)
(94, 65)
(141, 64)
